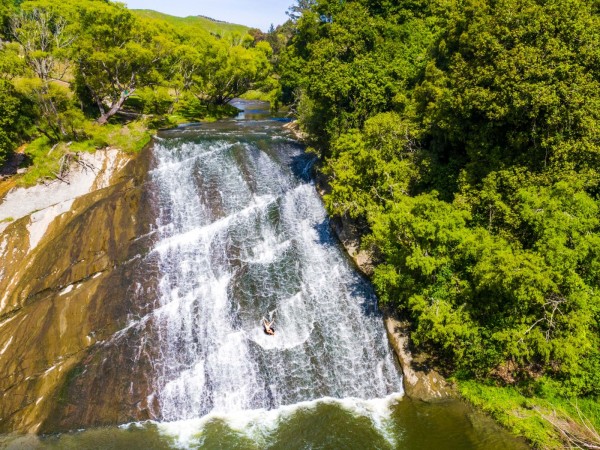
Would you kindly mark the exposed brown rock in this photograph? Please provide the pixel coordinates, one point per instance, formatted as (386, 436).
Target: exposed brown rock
(61, 309)
(294, 127)
(420, 382)
(349, 235)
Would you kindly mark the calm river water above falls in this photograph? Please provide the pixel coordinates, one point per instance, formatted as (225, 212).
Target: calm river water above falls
(242, 234)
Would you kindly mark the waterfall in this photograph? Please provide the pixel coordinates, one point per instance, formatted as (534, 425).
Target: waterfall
(243, 234)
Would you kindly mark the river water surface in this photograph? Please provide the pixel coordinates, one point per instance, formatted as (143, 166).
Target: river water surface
(241, 235)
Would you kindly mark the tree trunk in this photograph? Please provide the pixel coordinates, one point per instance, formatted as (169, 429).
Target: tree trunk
(116, 106)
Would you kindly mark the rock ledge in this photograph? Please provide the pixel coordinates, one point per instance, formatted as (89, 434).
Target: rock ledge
(420, 382)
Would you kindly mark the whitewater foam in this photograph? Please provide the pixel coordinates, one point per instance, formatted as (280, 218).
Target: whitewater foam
(260, 424)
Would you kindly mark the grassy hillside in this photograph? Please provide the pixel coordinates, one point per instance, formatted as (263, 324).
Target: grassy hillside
(210, 25)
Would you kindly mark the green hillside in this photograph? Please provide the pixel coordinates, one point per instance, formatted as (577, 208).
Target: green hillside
(210, 25)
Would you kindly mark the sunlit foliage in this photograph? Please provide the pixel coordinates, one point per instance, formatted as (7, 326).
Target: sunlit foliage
(69, 62)
(466, 137)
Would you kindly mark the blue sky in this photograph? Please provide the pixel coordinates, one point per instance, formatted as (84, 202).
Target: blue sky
(253, 13)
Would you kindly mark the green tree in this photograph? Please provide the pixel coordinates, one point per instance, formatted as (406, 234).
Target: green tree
(347, 62)
(515, 83)
(15, 116)
(11, 63)
(7, 9)
(44, 33)
(374, 168)
(464, 139)
(228, 71)
(115, 55)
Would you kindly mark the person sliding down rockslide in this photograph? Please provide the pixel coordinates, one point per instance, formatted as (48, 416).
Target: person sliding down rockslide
(268, 326)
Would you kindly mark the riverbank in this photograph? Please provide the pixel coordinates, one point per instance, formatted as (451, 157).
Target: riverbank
(546, 422)
(43, 161)
(421, 382)
(549, 422)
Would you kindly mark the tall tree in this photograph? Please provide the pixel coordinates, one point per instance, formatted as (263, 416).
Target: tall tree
(115, 54)
(45, 32)
(295, 11)
(219, 71)
(15, 118)
(7, 8)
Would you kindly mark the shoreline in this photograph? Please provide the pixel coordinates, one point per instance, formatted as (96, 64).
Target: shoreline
(420, 382)
(547, 419)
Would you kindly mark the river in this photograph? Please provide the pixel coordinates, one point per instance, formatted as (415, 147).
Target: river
(240, 233)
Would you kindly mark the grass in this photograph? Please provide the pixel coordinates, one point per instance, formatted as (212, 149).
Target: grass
(44, 157)
(44, 160)
(130, 138)
(270, 96)
(210, 25)
(257, 95)
(192, 110)
(528, 416)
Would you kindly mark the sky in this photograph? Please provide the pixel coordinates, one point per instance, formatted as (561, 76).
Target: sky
(253, 13)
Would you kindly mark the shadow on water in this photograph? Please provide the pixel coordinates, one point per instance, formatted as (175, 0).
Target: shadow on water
(325, 234)
(369, 306)
(358, 286)
(302, 165)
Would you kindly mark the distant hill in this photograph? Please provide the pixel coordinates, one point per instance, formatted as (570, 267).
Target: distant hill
(211, 25)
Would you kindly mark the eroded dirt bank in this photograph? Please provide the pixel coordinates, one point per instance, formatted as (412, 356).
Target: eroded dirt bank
(65, 264)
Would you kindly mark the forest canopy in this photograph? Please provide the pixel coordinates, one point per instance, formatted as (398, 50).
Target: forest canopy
(464, 139)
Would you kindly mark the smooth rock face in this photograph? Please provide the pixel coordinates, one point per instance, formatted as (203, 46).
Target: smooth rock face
(59, 311)
(41, 200)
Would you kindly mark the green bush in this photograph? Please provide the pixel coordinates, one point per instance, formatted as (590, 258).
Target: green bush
(15, 119)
